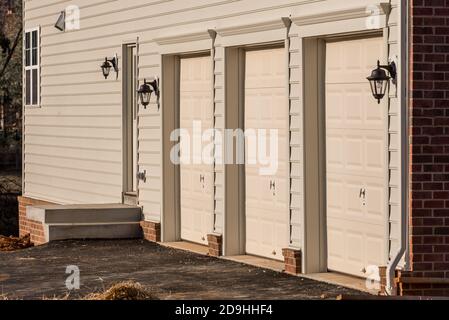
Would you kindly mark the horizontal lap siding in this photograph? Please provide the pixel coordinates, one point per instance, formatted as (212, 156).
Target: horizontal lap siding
(73, 142)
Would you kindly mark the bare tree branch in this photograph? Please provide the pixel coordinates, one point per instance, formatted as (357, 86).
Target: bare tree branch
(11, 52)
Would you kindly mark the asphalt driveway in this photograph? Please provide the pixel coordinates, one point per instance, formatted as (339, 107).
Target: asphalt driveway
(172, 274)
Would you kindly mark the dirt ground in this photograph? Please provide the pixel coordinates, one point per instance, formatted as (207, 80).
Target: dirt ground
(13, 243)
(40, 272)
(10, 188)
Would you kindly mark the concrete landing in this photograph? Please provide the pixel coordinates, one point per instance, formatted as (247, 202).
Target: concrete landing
(344, 280)
(260, 262)
(96, 221)
(187, 246)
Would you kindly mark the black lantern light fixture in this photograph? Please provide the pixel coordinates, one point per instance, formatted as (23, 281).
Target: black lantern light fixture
(108, 64)
(146, 90)
(379, 80)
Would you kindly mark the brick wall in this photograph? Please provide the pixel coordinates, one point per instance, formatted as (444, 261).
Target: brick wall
(26, 226)
(429, 165)
(215, 244)
(151, 231)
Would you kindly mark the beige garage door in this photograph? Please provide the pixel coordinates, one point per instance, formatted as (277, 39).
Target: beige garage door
(267, 221)
(196, 177)
(356, 159)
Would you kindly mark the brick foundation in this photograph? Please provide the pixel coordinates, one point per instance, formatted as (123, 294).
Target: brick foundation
(383, 282)
(215, 245)
(412, 283)
(293, 261)
(27, 226)
(151, 230)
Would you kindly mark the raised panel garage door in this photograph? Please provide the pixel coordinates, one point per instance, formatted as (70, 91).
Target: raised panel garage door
(356, 159)
(197, 184)
(267, 220)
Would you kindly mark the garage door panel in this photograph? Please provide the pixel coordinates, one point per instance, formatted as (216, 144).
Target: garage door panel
(374, 249)
(375, 153)
(352, 60)
(352, 248)
(357, 151)
(355, 158)
(372, 48)
(375, 201)
(352, 189)
(280, 192)
(353, 152)
(352, 106)
(335, 239)
(196, 178)
(335, 199)
(267, 219)
(354, 245)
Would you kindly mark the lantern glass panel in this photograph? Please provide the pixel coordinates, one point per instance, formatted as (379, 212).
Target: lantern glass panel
(145, 95)
(106, 69)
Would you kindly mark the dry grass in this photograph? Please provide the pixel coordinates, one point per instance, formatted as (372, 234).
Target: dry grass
(128, 290)
(12, 243)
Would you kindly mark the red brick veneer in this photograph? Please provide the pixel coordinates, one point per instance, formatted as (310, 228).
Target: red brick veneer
(27, 226)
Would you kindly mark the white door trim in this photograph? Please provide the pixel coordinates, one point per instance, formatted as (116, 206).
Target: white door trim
(234, 218)
(128, 121)
(205, 172)
(314, 248)
(342, 265)
(278, 218)
(170, 89)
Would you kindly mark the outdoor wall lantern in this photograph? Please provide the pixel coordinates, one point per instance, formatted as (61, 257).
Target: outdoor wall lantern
(379, 80)
(108, 64)
(146, 90)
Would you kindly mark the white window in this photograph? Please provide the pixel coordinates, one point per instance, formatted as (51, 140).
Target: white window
(32, 67)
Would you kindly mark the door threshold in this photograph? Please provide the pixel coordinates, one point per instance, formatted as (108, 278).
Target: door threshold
(187, 246)
(259, 262)
(344, 280)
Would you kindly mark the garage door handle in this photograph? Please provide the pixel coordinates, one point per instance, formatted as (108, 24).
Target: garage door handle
(362, 193)
(272, 185)
(201, 178)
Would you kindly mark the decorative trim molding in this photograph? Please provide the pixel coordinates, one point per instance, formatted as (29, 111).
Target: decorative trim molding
(348, 14)
(255, 27)
(187, 37)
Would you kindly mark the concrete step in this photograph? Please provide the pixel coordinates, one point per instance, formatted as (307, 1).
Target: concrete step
(98, 221)
(94, 231)
(102, 213)
(130, 199)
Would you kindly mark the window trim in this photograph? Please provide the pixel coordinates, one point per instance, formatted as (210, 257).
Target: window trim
(32, 67)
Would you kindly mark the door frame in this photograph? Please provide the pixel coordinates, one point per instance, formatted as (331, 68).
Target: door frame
(171, 189)
(235, 175)
(127, 134)
(315, 251)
